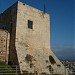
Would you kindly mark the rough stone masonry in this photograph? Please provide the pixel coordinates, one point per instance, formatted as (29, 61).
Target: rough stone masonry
(25, 40)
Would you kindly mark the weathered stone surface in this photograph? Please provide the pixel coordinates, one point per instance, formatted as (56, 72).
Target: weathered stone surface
(3, 45)
(30, 48)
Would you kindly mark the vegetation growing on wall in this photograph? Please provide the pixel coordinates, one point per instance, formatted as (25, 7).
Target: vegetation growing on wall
(51, 59)
(31, 65)
(50, 69)
(47, 61)
(58, 65)
(29, 60)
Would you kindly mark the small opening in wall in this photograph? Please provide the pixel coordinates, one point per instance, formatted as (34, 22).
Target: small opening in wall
(23, 4)
(11, 27)
(30, 24)
(52, 60)
(11, 23)
(1, 52)
(3, 27)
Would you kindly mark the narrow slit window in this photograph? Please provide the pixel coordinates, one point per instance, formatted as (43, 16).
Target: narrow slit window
(11, 27)
(3, 27)
(30, 24)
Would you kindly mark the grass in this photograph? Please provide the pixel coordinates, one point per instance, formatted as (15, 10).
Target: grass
(2, 64)
(4, 68)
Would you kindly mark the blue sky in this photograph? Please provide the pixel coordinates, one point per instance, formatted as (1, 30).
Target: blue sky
(61, 21)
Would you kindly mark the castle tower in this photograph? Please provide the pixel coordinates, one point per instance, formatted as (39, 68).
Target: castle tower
(29, 39)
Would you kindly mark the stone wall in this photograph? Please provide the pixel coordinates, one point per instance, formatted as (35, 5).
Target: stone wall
(34, 43)
(3, 45)
(37, 37)
(8, 23)
(29, 47)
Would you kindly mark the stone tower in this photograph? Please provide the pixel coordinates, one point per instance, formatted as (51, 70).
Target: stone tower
(27, 39)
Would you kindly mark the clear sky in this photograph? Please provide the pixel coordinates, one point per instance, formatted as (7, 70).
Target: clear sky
(61, 21)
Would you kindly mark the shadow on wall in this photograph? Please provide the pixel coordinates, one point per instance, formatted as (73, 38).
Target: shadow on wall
(8, 23)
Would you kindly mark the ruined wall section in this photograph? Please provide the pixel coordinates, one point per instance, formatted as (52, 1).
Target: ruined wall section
(8, 23)
(3, 46)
